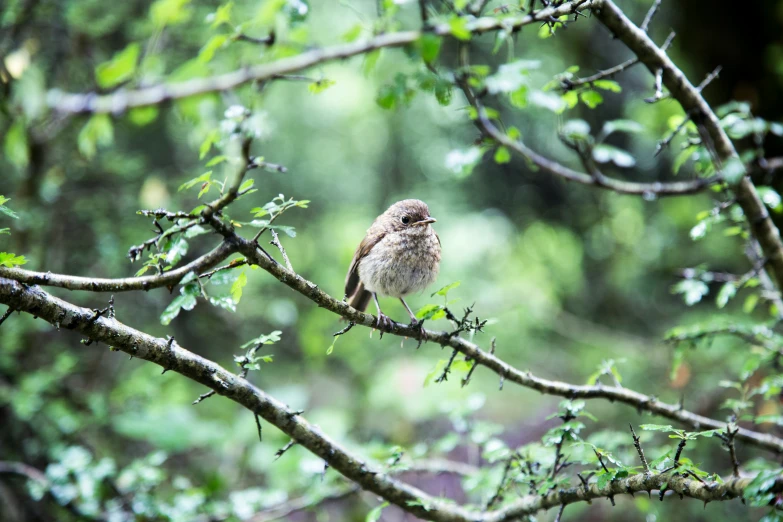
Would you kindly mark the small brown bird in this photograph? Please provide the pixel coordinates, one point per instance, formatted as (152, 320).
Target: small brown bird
(399, 255)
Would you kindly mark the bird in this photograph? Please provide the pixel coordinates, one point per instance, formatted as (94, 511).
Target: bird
(399, 255)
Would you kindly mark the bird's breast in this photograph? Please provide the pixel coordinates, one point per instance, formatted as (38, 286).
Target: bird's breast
(401, 263)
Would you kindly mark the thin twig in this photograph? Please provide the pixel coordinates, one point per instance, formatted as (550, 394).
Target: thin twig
(6, 315)
(650, 14)
(276, 241)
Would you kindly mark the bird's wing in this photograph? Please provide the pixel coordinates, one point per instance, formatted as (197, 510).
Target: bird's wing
(370, 240)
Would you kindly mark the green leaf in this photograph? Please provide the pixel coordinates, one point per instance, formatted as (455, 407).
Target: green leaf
(692, 290)
(97, 131)
(728, 291)
(207, 52)
(733, 171)
(502, 155)
(204, 178)
(511, 76)
(459, 28)
(5, 210)
(431, 312)
(445, 290)
(169, 12)
(210, 140)
(576, 130)
(215, 161)
(184, 301)
(370, 61)
(571, 98)
(770, 198)
(353, 33)
(120, 68)
(222, 14)
(237, 286)
(320, 86)
(608, 85)
(247, 185)
(16, 148)
(462, 162)
(629, 126)
(437, 370)
(429, 47)
(10, 260)
(270, 338)
(375, 514)
(603, 153)
(682, 157)
(178, 248)
(591, 98)
(548, 100)
(143, 115)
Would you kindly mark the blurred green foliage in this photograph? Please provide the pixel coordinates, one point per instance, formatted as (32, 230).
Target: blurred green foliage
(576, 284)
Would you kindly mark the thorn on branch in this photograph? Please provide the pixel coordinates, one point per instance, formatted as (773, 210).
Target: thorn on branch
(344, 330)
(677, 454)
(258, 425)
(710, 78)
(268, 40)
(466, 380)
(444, 375)
(560, 513)
(6, 315)
(728, 440)
(285, 448)
(650, 15)
(639, 450)
(204, 396)
(658, 87)
(601, 460)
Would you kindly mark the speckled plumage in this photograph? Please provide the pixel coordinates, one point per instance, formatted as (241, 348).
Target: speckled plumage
(395, 258)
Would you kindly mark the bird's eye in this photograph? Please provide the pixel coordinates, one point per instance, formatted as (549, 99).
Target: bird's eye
(405, 220)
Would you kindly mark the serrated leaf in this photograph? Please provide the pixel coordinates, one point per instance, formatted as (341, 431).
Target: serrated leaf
(177, 249)
(431, 312)
(591, 98)
(11, 260)
(237, 286)
(181, 302)
(204, 178)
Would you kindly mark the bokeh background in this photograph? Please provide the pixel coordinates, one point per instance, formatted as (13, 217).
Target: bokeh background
(569, 276)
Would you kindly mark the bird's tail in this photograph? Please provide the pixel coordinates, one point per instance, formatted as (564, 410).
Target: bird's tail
(361, 298)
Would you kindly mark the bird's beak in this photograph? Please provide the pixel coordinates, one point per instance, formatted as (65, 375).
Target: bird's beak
(426, 221)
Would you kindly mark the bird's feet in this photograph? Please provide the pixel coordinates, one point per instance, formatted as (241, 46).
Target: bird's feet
(383, 321)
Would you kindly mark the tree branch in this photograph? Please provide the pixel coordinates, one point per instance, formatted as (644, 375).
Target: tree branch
(171, 356)
(124, 100)
(713, 135)
(93, 284)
